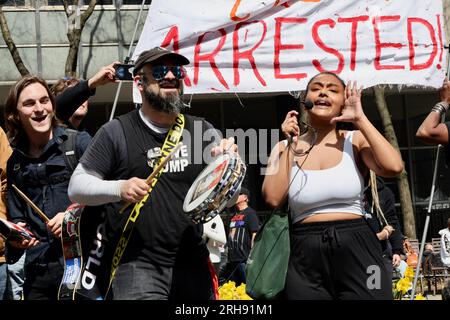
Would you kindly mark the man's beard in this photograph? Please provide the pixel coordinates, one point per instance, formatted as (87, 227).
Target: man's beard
(171, 103)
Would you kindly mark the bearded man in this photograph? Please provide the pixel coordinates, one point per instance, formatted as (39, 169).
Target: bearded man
(165, 257)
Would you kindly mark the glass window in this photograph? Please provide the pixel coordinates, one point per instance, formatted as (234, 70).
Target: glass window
(135, 1)
(440, 212)
(423, 163)
(86, 2)
(12, 2)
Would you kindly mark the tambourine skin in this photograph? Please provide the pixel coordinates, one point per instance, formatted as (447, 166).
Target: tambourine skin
(214, 187)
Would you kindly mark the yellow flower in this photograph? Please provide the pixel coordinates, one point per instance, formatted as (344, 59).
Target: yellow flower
(401, 287)
(409, 273)
(419, 297)
(241, 293)
(228, 291)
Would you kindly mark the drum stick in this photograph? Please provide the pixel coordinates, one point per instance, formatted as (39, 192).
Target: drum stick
(156, 171)
(32, 205)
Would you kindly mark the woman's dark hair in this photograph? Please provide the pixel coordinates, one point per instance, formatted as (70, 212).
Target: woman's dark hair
(328, 73)
(339, 125)
(12, 119)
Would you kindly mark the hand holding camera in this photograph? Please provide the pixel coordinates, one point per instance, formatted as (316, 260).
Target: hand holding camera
(104, 76)
(124, 71)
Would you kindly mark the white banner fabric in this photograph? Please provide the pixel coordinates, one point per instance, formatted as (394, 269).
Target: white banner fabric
(277, 46)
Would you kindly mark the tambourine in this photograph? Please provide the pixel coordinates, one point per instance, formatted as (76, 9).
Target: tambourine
(214, 187)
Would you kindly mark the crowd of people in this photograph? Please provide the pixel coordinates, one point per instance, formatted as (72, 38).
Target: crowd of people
(340, 229)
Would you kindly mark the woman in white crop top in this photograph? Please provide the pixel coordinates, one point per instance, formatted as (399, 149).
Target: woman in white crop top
(321, 173)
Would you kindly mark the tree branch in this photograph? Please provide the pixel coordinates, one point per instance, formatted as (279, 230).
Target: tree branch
(74, 36)
(66, 7)
(11, 45)
(85, 16)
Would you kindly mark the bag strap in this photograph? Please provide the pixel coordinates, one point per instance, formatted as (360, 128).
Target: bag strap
(173, 137)
(375, 198)
(68, 149)
(278, 211)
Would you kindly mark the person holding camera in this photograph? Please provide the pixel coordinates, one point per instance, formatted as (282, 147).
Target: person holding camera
(72, 94)
(165, 256)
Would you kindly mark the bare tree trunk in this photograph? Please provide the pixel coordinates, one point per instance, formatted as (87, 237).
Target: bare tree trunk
(11, 45)
(409, 223)
(74, 35)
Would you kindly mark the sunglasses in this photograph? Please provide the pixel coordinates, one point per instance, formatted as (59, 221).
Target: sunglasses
(159, 72)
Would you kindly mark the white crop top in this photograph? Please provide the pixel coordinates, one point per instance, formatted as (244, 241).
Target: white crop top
(337, 189)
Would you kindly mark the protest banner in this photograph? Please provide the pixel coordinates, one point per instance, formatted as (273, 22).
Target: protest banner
(276, 46)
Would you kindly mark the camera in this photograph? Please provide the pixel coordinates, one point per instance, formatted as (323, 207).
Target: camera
(124, 71)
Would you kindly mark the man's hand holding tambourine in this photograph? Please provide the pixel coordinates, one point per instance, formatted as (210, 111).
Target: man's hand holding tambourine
(225, 146)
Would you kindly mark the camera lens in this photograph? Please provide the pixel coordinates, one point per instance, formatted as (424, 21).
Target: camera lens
(120, 72)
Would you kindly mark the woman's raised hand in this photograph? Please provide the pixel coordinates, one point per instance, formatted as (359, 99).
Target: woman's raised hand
(352, 111)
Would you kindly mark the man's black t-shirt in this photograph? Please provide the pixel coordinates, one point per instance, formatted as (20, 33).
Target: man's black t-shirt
(163, 233)
(242, 225)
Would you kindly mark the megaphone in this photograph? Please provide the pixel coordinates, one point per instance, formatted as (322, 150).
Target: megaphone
(215, 230)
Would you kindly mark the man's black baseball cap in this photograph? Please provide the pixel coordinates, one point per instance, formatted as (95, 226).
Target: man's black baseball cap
(245, 191)
(156, 53)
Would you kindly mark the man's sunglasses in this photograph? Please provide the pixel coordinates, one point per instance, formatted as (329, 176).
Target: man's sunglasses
(159, 72)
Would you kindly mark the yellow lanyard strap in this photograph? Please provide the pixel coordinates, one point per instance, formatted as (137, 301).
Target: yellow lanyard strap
(172, 139)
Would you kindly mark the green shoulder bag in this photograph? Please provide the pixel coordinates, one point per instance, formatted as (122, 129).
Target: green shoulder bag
(269, 257)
